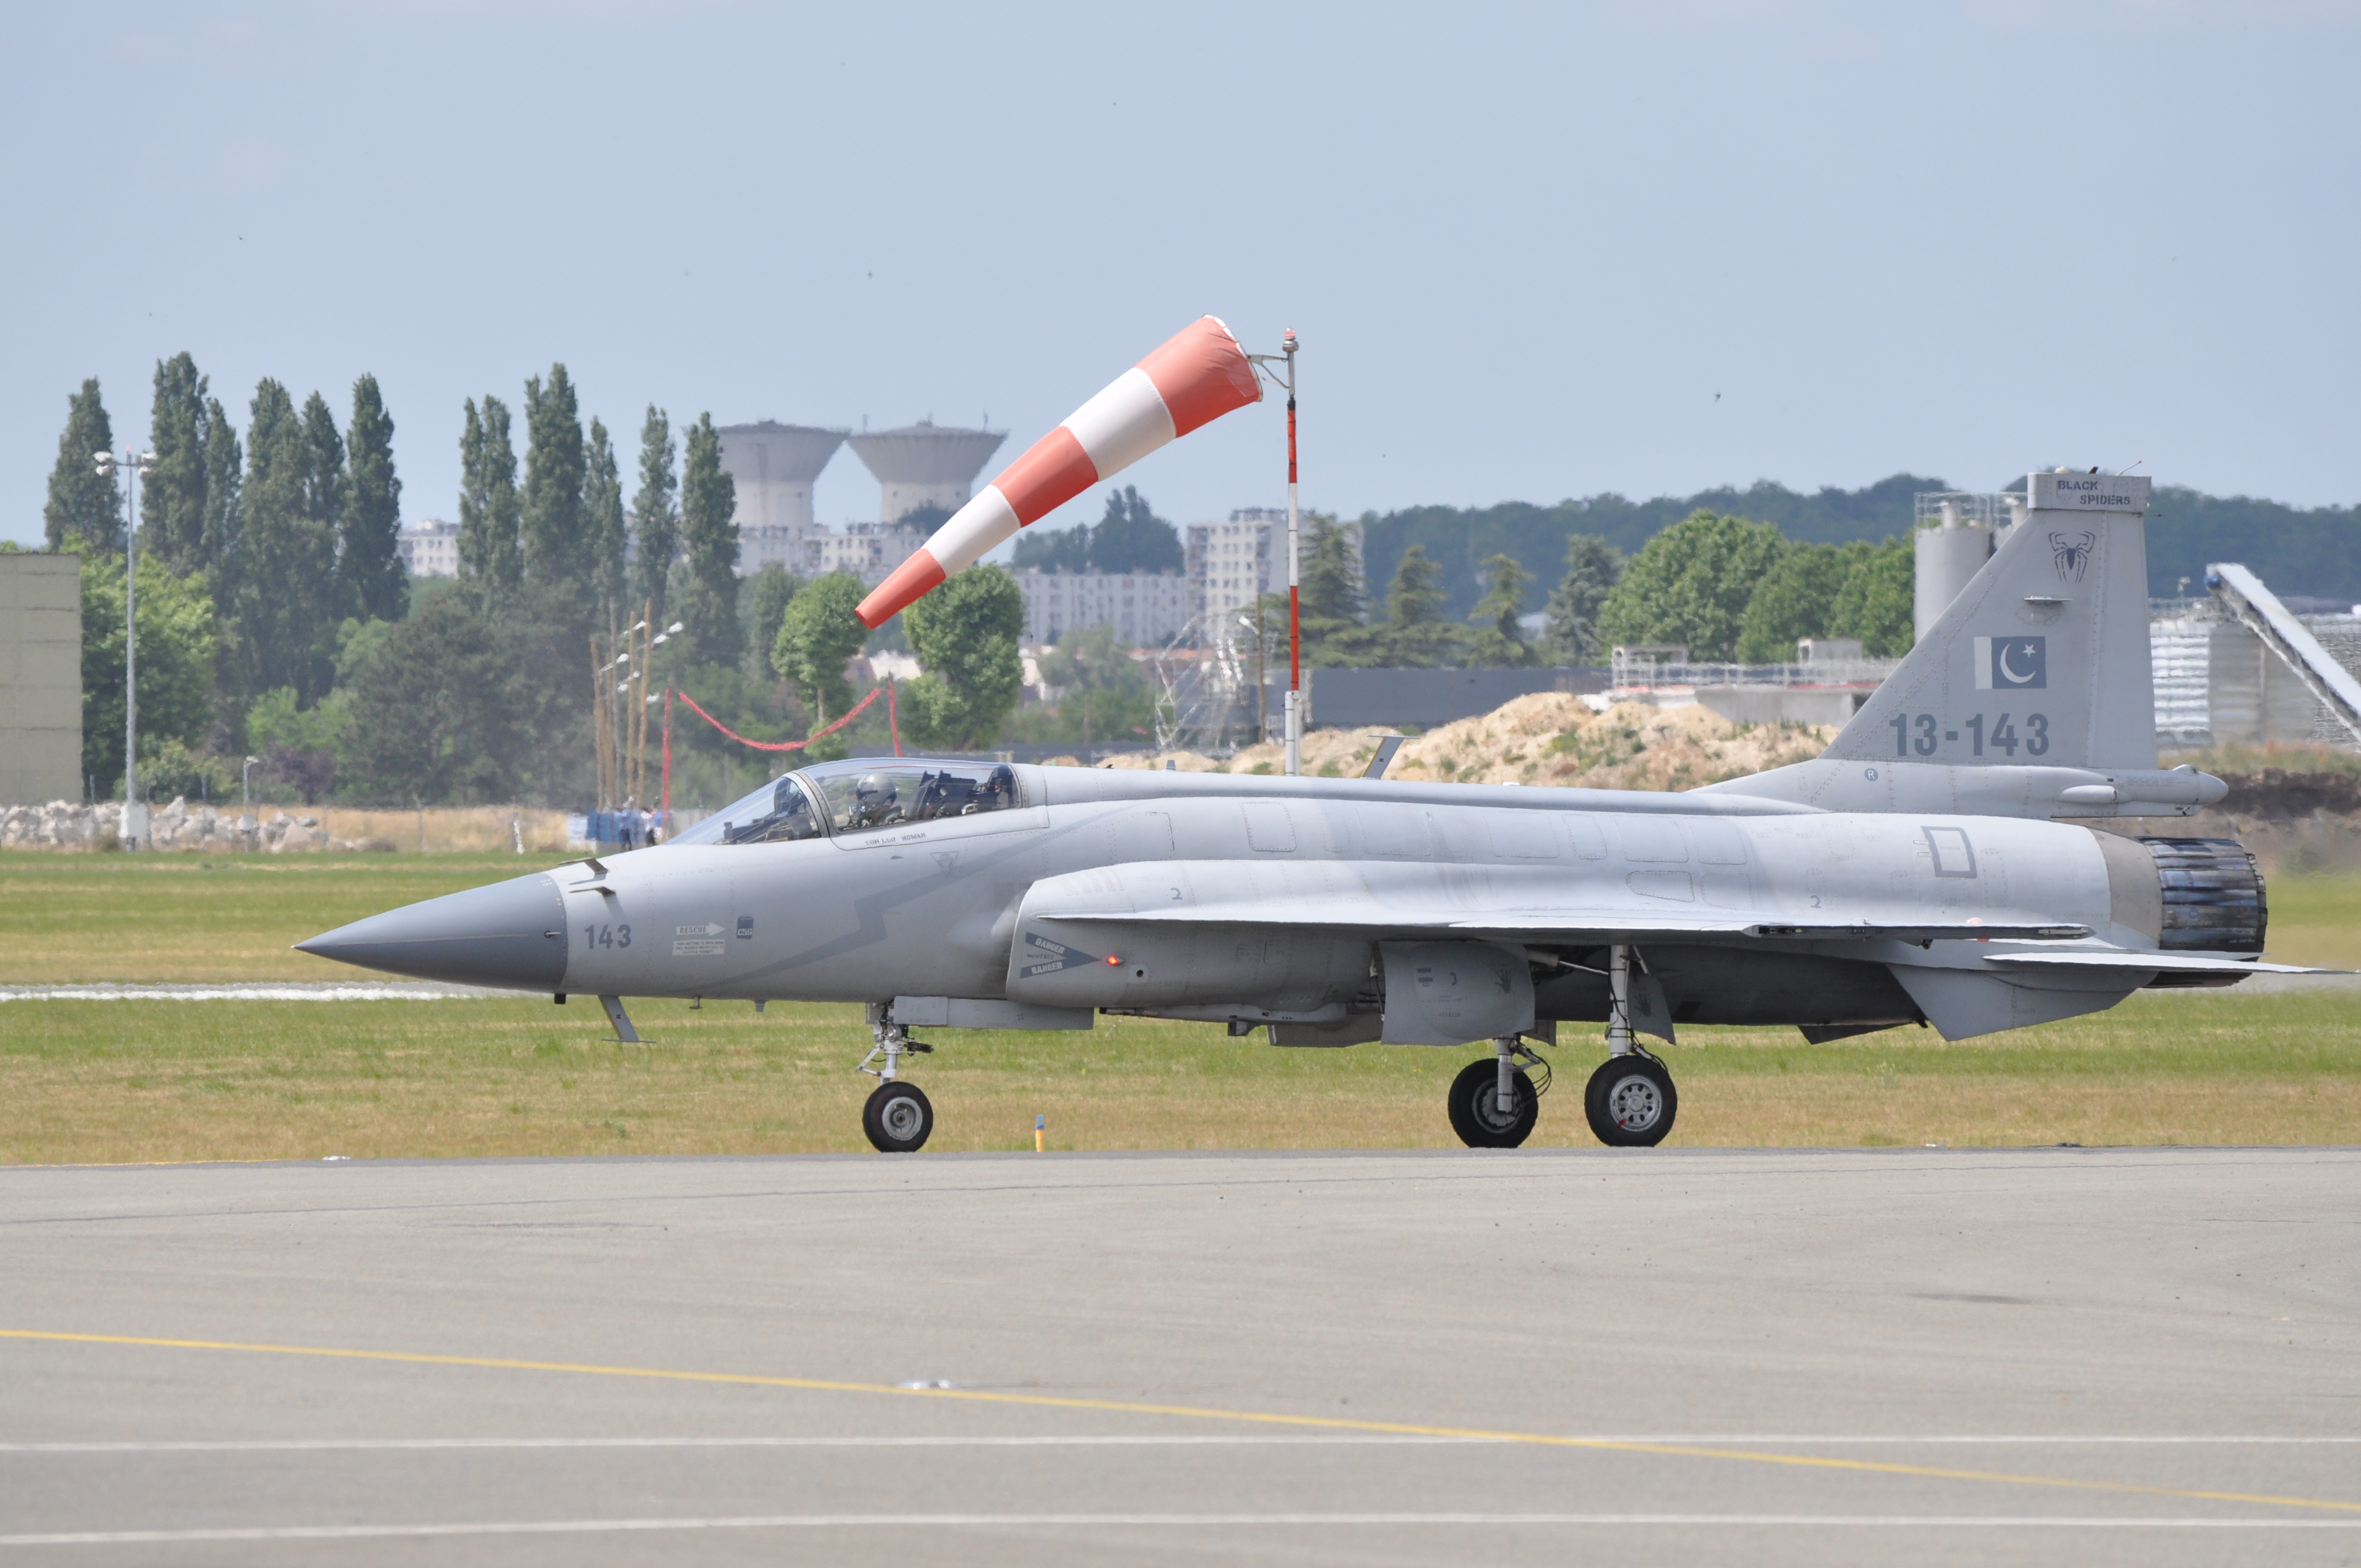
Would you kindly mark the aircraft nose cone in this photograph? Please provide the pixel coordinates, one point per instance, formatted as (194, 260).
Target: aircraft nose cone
(510, 934)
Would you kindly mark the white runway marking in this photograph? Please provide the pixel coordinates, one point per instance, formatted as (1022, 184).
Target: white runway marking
(1161, 1520)
(324, 991)
(1084, 1439)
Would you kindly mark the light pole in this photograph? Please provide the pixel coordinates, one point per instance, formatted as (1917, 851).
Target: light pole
(136, 467)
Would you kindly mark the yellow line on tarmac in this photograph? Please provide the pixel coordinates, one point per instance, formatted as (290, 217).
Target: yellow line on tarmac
(1193, 1412)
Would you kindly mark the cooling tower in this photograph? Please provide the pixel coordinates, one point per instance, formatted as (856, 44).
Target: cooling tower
(924, 464)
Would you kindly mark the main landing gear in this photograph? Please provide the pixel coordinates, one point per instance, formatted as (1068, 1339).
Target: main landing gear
(1494, 1104)
(898, 1116)
(1630, 1102)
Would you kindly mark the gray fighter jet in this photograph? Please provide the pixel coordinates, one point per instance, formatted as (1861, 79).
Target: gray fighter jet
(1916, 872)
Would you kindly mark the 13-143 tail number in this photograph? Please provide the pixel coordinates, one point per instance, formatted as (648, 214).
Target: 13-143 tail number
(1925, 734)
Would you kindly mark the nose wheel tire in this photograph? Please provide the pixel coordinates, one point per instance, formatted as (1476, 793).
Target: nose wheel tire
(898, 1118)
(1475, 1107)
(1630, 1102)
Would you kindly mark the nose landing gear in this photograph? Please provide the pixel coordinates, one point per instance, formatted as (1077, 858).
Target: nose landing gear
(898, 1116)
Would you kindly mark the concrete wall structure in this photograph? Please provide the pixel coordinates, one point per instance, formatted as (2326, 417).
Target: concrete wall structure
(924, 464)
(40, 677)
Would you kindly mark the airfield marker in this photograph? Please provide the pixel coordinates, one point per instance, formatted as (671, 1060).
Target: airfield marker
(1040, 1125)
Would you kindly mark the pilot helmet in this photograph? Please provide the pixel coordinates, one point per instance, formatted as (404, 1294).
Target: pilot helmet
(874, 788)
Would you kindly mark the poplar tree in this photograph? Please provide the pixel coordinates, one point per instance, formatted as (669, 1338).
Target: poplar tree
(84, 506)
(552, 520)
(172, 504)
(287, 588)
(374, 585)
(225, 520)
(656, 524)
(487, 499)
(602, 518)
(708, 534)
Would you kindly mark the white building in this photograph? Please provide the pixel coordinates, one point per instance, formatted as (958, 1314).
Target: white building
(429, 548)
(867, 550)
(1231, 563)
(1145, 608)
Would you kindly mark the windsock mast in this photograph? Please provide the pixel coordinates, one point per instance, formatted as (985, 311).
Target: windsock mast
(1196, 377)
(1262, 362)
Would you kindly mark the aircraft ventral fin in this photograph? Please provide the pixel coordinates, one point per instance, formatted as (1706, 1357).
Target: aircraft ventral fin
(2125, 957)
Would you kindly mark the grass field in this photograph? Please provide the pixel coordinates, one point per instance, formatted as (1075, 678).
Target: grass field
(148, 1080)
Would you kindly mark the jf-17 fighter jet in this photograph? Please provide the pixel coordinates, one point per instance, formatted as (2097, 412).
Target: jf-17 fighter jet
(1917, 873)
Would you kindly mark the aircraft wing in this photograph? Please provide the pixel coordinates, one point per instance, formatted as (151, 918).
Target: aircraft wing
(1426, 899)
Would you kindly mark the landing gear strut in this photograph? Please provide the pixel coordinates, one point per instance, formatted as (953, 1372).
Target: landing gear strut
(1629, 1101)
(1494, 1104)
(898, 1116)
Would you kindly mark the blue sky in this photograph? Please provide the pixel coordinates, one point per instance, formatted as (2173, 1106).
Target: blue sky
(1526, 247)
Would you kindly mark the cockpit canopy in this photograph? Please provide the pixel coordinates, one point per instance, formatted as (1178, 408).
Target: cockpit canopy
(859, 796)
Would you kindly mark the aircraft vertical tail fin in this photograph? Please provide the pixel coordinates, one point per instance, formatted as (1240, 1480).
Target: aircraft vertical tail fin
(2043, 659)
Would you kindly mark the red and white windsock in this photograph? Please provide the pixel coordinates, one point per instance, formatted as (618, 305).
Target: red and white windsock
(1197, 377)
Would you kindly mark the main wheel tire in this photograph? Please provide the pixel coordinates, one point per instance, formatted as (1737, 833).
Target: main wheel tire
(1631, 1102)
(1475, 1107)
(898, 1118)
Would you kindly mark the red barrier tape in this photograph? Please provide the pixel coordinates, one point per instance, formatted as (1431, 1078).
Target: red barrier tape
(785, 745)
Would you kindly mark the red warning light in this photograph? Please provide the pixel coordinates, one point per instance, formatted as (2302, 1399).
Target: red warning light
(1113, 960)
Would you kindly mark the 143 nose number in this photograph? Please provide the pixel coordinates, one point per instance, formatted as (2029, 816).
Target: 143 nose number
(1923, 734)
(607, 936)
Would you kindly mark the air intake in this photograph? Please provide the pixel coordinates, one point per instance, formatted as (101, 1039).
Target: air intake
(2213, 895)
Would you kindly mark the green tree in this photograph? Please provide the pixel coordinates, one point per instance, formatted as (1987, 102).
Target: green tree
(1105, 693)
(1415, 635)
(768, 594)
(1130, 537)
(376, 585)
(224, 521)
(1796, 599)
(286, 598)
(176, 661)
(654, 520)
(1690, 585)
(172, 504)
(1571, 636)
(1054, 548)
(818, 634)
(423, 703)
(603, 529)
(1875, 602)
(708, 534)
(554, 548)
(965, 634)
(1333, 602)
(488, 545)
(84, 506)
(1496, 640)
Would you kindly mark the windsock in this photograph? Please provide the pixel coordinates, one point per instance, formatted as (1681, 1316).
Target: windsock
(1197, 377)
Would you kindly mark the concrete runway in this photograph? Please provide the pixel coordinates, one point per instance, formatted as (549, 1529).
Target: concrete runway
(1953, 1355)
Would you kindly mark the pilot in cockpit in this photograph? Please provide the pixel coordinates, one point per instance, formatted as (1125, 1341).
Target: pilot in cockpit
(874, 802)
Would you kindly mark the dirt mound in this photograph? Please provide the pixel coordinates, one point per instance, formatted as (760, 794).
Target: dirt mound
(1553, 737)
